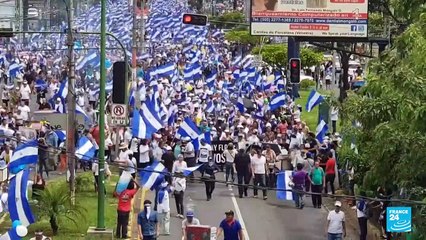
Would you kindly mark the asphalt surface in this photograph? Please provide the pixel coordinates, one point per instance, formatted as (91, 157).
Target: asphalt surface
(262, 219)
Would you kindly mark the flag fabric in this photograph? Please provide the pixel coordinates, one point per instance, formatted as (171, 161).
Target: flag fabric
(321, 130)
(277, 101)
(153, 175)
(313, 100)
(285, 193)
(187, 171)
(24, 154)
(85, 149)
(17, 201)
(188, 129)
(151, 118)
(138, 125)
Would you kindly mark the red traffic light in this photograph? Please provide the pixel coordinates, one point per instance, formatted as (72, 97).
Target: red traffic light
(187, 19)
(294, 64)
(194, 19)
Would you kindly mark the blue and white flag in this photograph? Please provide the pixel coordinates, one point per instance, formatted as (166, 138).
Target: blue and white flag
(240, 104)
(153, 175)
(285, 192)
(138, 125)
(85, 149)
(187, 171)
(314, 99)
(17, 201)
(321, 130)
(277, 101)
(209, 107)
(24, 154)
(188, 129)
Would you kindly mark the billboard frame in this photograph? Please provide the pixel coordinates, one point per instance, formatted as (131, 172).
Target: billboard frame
(317, 38)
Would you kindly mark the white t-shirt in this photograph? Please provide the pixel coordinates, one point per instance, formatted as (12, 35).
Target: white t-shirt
(179, 166)
(230, 155)
(143, 154)
(195, 222)
(25, 92)
(204, 153)
(164, 206)
(189, 151)
(258, 164)
(25, 110)
(336, 221)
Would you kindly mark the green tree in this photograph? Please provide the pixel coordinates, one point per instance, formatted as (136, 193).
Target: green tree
(391, 111)
(242, 36)
(229, 20)
(276, 54)
(55, 204)
(310, 57)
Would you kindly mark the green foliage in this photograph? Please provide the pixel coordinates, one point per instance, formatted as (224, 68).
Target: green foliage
(55, 205)
(391, 110)
(310, 57)
(242, 36)
(223, 21)
(306, 84)
(84, 182)
(376, 25)
(273, 54)
(276, 54)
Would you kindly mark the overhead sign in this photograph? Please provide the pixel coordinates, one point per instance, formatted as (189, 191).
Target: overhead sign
(119, 114)
(310, 18)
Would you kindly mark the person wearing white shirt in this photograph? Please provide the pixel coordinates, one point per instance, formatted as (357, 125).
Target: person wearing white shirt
(336, 228)
(143, 154)
(188, 151)
(334, 116)
(258, 165)
(189, 221)
(25, 92)
(229, 155)
(163, 208)
(179, 185)
(204, 154)
(25, 112)
(95, 171)
(127, 136)
(253, 139)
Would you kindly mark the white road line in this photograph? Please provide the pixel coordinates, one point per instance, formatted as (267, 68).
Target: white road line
(239, 215)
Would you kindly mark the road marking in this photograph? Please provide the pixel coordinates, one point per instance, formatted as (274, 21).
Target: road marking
(142, 199)
(239, 215)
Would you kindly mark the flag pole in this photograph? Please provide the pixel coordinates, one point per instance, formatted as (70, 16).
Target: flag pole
(101, 154)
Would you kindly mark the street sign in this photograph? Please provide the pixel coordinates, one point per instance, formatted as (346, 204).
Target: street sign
(119, 114)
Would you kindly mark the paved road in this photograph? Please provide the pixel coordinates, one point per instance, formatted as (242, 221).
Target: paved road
(266, 220)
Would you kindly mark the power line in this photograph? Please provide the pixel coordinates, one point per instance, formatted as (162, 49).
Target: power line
(249, 186)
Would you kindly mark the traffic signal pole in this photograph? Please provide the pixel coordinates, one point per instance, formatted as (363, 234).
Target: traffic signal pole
(293, 49)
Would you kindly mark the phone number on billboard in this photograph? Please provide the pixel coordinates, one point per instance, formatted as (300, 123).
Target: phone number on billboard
(309, 20)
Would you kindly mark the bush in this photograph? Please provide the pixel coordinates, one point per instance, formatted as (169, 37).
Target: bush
(84, 182)
(307, 84)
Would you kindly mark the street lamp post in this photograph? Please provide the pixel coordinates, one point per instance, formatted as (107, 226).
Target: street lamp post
(101, 179)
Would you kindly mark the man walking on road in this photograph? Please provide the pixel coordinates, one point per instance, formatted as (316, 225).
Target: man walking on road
(336, 228)
(230, 227)
(243, 167)
(148, 226)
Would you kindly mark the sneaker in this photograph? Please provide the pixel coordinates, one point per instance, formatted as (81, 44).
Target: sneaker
(255, 196)
(265, 198)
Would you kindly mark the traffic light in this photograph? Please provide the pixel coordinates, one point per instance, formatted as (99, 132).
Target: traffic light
(194, 19)
(294, 70)
(119, 83)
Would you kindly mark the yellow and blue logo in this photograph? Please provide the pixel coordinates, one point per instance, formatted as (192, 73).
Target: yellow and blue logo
(398, 219)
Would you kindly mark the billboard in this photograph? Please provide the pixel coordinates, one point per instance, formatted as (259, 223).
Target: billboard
(309, 18)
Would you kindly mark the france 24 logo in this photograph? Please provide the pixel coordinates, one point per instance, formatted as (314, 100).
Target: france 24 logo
(398, 219)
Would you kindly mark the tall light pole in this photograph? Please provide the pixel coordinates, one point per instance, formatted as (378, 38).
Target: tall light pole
(71, 101)
(101, 179)
(135, 48)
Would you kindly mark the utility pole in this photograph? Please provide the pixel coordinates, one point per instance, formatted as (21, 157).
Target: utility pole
(102, 96)
(135, 39)
(71, 101)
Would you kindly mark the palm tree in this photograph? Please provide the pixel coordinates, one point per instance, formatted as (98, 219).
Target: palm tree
(55, 204)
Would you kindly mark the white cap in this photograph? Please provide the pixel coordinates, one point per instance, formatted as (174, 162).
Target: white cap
(338, 204)
(168, 148)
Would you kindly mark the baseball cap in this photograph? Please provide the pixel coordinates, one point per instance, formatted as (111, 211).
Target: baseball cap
(230, 212)
(189, 214)
(338, 204)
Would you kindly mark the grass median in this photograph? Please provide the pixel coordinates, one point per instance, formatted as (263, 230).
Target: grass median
(86, 199)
